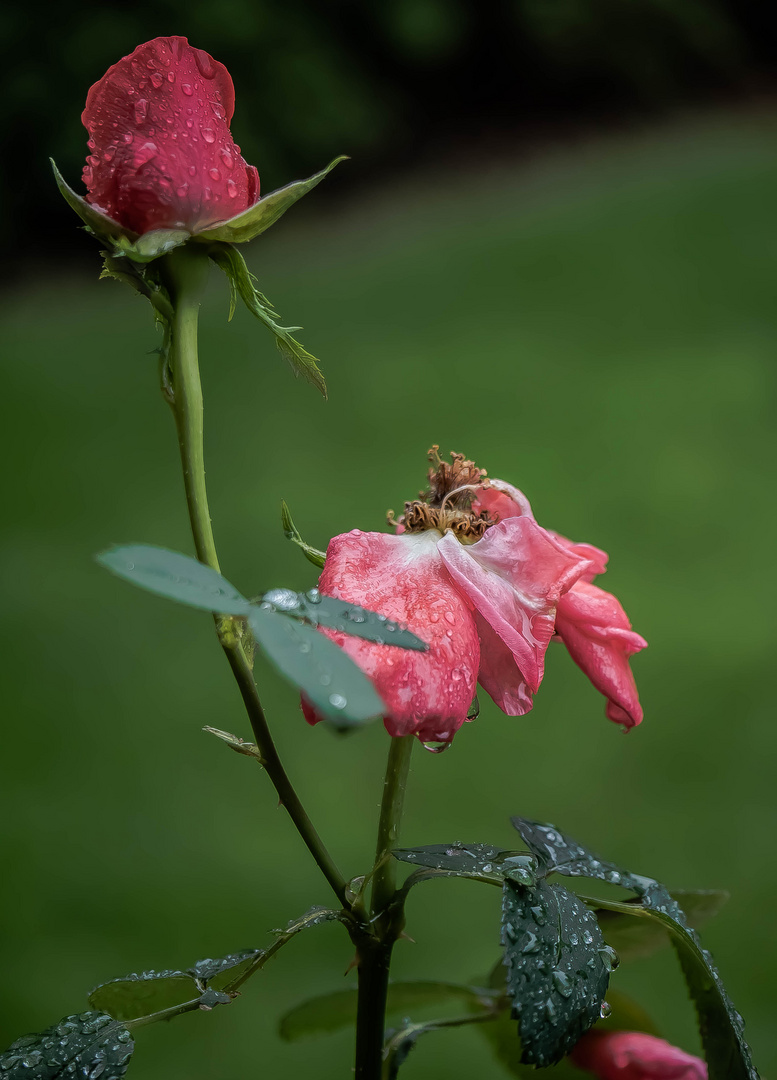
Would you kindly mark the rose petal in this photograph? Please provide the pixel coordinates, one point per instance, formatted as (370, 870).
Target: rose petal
(501, 500)
(403, 578)
(499, 674)
(594, 627)
(514, 576)
(633, 1055)
(162, 155)
(595, 555)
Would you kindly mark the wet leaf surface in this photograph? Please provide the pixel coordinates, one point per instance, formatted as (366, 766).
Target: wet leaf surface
(87, 1046)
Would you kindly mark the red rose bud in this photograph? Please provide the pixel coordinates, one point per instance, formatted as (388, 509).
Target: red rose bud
(632, 1055)
(161, 152)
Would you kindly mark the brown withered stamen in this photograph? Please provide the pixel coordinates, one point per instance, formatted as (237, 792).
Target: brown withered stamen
(447, 504)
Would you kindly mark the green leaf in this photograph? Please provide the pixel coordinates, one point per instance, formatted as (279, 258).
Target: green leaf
(152, 245)
(104, 227)
(292, 533)
(88, 1045)
(480, 861)
(634, 939)
(558, 968)
(331, 1012)
(727, 1053)
(136, 995)
(241, 281)
(319, 610)
(338, 690)
(176, 576)
(215, 974)
(259, 217)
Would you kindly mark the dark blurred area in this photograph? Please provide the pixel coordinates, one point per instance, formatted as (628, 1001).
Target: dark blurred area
(389, 83)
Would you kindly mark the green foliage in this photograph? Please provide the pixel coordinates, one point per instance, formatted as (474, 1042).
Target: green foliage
(331, 1012)
(152, 245)
(329, 679)
(320, 610)
(103, 227)
(634, 939)
(259, 217)
(480, 861)
(726, 1051)
(557, 968)
(175, 576)
(242, 283)
(291, 532)
(138, 995)
(85, 1046)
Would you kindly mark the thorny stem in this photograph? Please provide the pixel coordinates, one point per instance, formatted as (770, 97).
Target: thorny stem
(186, 273)
(375, 954)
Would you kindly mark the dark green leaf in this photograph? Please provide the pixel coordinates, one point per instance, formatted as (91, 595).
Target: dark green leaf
(473, 860)
(81, 1047)
(136, 995)
(558, 969)
(216, 974)
(634, 939)
(100, 224)
(331, 1012)
(291, 532)
(334, 614)
(250, 223)
(505, 1044)
(176, 576)
(242, 283)
(727, 1053)
(338, 689)
(152, 244)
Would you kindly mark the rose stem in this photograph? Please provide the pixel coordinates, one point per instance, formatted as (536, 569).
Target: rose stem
(375, 954)
(186, 272)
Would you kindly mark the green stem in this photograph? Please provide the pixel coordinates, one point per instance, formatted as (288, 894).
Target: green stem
(375, 953)
(186, 273)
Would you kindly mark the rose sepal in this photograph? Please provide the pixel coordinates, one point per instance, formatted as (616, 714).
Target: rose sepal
(152, 245)
(98, 223)
(264, 213)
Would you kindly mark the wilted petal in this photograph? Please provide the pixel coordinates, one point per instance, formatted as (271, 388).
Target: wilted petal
(403, 577)
(633, 1055)
(499, 674)
(594, 627)
(595, 555)
(514, 577)
(162, 155)
(501, 500)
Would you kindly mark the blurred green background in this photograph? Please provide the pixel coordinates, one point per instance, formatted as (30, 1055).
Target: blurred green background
(596, 325)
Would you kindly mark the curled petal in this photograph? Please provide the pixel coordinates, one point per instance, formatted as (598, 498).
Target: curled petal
(633, 1055)
(594, 627)
(162, 156)
(502, 500)
(595, 555)
(499, 674)
(403, 577)
(514, 577)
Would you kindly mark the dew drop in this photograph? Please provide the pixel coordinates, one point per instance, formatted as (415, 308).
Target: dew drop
(141, 110)
(437, 747)
(205, 64)
(187, 89)
(605, 1009)
(128, 137)
(337, 701)
(208, 135)
(192, 170)
(109, 153)
(214, 174)
(181, 191)
(171, 76)
(314, 596)
(218, 110)
(157, 79)
(588, 937)
(227, 158)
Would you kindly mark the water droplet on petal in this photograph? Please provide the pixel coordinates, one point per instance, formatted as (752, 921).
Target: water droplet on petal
(192, 170)
(141, 110)
(181, 191)
(157, 79)
(208, 135)
(187, 89)
(128, 137)
(171, 76)
(109, 153)
(437, 747)
(214, 174)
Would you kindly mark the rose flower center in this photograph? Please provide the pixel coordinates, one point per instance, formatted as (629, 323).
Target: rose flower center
(447, 504)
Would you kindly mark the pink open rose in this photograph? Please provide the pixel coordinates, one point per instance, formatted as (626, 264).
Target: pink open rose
(161, 152)
(473, 574)
(632, 1055)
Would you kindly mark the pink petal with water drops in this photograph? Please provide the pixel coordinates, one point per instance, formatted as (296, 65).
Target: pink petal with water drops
(403, 577)
(161, 152)
(596, 631)
(514, 577)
